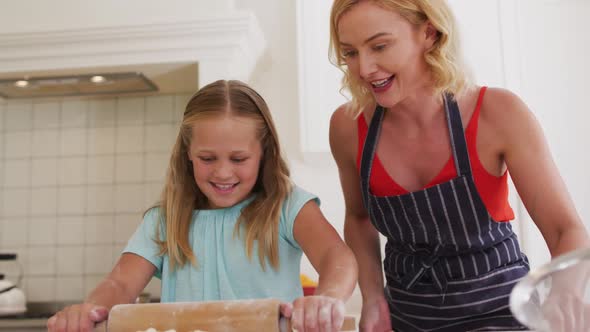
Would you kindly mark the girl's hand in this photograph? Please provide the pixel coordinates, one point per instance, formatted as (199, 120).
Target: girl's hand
(375, 316)
(315, 313)
(77, 318)
(566, 312)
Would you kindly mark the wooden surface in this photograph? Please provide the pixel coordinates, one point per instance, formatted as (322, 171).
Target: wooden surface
(214, 316)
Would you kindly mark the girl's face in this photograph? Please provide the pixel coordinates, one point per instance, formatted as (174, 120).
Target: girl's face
(226, 155)
(384, 51)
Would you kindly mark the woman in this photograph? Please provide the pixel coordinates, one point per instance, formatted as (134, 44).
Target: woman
(423, 157)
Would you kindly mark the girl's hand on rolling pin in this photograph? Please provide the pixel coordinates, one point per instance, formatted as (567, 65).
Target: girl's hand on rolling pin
(77, 318)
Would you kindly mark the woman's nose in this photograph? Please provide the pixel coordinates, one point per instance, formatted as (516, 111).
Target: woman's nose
(367, 65)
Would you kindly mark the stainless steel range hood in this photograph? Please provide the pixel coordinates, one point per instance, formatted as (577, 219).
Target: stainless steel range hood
(76, 85)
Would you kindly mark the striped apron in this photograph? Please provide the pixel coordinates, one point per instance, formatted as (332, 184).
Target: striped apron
(448, 265)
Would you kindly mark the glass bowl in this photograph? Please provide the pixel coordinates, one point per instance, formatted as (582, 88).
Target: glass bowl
(556, 296)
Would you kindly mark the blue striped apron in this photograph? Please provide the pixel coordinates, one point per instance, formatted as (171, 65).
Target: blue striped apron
(448, 265)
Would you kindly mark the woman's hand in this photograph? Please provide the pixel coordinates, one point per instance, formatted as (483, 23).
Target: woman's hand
(566, 312)
(315, 313)
(77, 318)
(375, 316)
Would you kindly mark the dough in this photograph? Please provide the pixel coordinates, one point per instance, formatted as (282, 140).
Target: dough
(151, 329)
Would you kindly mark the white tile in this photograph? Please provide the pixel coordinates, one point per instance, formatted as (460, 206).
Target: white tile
(73, 142)
(180, 102)
(45, 143)
(70, 260)
(101, 141)
(118, 251)
(159, 109)
(1, 117)
(160, 137)
(1, 144)
(44, 172)
(40, 289)
(18, 117)
(129, 139)
(41, 261)
(70, 230)
(72, 170)
(17, 173)
(70, 289)
(156, 165)
(43, 231)
(125, 226)
(130, 111)
(16, 202)
(18, 144)
(152, 193)
(101, 113)
(129, 198)
(101, 199)
(44, 201)
(74, 113)
(100, 230)
(98, 259)
(129, 168)
(101, 169)
(14, 232)
(71, 200)
(46, 115)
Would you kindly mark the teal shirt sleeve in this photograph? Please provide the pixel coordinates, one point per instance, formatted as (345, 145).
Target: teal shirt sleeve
(142, 242)
(291, 207)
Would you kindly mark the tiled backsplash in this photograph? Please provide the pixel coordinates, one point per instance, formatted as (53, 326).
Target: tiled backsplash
(76, 176)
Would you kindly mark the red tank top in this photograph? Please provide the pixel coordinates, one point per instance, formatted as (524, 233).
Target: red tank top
(493, 190)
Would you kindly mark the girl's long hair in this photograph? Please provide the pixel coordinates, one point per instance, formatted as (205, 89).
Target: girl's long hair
(259, 221)
(444, 59)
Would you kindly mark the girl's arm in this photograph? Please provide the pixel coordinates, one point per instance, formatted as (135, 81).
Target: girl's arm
(535, 175)
(125, 282)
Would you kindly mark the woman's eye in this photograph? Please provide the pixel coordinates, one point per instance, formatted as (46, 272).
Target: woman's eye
(349, 54)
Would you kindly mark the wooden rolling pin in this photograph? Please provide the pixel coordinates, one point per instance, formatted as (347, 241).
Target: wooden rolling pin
(215, 316)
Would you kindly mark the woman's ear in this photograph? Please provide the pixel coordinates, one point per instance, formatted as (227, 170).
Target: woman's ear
(431, 35)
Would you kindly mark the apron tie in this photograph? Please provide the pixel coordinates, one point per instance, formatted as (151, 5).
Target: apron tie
(429, 263)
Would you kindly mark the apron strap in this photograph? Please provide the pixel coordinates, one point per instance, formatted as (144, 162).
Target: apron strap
(457, 135)
(369, 151)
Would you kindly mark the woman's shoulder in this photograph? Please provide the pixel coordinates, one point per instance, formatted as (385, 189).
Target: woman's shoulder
(503, 108)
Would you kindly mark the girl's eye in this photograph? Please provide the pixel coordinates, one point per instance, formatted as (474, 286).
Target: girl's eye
(206, 159)
(379, 47)
(238, 160)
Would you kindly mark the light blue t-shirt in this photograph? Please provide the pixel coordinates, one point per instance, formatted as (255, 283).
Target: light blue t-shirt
(223, 270)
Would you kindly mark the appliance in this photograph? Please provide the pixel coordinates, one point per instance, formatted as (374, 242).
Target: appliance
(12, 299)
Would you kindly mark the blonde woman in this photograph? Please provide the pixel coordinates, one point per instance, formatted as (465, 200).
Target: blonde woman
(423, 156)
(230, 224)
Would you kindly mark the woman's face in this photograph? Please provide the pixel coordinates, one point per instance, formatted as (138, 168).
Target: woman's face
(225, 153)
(384, 51)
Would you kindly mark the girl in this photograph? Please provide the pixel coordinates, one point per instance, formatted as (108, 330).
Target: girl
(422, 156)
(230, 224)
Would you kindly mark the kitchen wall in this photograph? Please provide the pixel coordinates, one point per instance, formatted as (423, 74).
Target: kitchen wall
(75, 178)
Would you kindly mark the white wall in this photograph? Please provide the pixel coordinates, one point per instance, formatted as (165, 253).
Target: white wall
(37, 16)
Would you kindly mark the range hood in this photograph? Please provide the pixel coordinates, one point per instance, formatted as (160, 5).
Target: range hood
(151, 58)
(76, 85)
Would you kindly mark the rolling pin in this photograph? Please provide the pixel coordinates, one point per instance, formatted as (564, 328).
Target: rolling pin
(214, 316)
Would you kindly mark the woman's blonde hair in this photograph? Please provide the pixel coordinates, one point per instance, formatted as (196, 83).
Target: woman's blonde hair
(181, 195)
(444, 59)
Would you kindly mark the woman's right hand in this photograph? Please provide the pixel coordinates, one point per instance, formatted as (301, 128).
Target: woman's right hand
(77, 318)
(375, 316)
